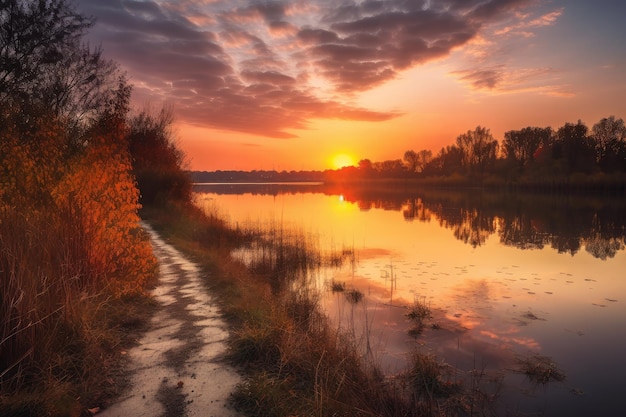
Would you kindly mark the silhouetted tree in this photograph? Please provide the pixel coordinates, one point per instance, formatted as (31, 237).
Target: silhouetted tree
(392, 168)
(478, 149)
(45, 70)
(365, 168)
(33, 36)
(532, 158)
(574, 147)
(410, 158)
(520, 146)
(423, 158)
(448, 161)
(610, 142)
(157, 163)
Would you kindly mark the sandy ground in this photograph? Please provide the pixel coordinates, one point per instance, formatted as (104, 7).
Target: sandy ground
(177, 369)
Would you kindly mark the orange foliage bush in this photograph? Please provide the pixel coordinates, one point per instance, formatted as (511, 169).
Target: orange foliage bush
(70, 238)
(100, 189)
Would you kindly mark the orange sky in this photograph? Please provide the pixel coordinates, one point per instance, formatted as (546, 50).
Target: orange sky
(289, 85)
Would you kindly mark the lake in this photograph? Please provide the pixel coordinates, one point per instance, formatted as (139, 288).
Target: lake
(507, 277)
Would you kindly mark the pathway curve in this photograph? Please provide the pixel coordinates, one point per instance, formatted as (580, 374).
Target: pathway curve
(178, 367)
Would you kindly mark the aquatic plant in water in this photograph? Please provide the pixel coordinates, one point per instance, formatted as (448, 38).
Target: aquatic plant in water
(540, 369)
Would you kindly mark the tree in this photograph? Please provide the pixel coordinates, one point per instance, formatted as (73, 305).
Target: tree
(33, 36)
(478, 149)
(410, 158)
(80, 86)
(366, 168)
(609, 135)
(157, 163)
(574, 146)
(46, 70)
(448, 161)
(391, 168)
(417, 161)
(520, 146)
(423, 158)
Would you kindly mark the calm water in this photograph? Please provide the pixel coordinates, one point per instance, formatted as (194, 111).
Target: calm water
(505, 276)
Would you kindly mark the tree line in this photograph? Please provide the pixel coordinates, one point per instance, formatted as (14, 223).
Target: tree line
(531, 152)
(532, 155)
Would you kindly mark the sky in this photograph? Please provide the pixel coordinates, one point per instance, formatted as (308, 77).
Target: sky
(316, 84)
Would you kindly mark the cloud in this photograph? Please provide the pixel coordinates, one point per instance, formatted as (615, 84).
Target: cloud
(482, 78)
(501, 79)
(249, 66)
(269, 77)
(491, 57)
(546, 19)
(525, 24)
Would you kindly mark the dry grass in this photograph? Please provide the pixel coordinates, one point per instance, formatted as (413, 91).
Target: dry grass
(354, 296)
(59, 318)
(418, 313)
(337, 286)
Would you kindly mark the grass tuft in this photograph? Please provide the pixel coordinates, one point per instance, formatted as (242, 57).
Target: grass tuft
(418, 313)
(337, 286)
(354, 296)
(540, 369)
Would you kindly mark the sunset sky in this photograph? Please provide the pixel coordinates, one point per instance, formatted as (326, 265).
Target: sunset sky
(290, 85)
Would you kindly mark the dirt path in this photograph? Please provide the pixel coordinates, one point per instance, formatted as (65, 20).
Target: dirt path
(178, 368)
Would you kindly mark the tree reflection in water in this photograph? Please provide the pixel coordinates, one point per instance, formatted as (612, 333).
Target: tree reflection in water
(525, 221)
(522, 220)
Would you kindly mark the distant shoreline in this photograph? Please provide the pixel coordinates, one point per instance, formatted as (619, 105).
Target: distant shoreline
(606, 184)
(261, 183)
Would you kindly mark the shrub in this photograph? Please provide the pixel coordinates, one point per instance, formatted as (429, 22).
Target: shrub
(70, 243)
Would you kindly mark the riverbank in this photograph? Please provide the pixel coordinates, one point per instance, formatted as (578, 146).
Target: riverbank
(295, 362)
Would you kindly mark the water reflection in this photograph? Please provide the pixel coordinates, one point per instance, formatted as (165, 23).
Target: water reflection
(525, 221)
(504, 274)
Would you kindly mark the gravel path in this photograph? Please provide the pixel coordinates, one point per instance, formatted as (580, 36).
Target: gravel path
(178, 368)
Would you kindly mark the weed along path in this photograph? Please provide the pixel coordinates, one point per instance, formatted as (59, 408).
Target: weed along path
(177, 369)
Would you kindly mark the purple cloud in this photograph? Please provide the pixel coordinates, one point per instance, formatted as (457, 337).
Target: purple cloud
(483, 78)
(248, 66)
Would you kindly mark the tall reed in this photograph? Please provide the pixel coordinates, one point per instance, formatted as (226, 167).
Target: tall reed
(40, 264)
(56, 331)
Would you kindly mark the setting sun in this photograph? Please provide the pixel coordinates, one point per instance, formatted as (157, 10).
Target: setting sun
(342, 160)
(336, 92)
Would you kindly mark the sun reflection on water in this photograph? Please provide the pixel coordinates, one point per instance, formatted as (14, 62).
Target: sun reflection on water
(491, 300)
